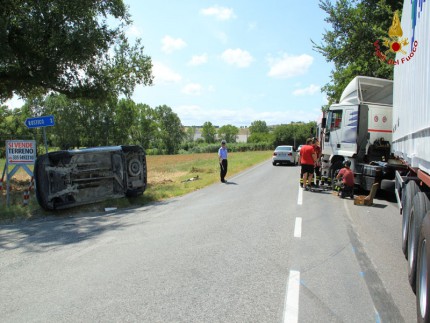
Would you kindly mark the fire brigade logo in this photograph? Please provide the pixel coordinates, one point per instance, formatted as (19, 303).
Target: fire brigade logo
(395, 44)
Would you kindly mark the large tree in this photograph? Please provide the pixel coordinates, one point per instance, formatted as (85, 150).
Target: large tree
(294, 133)
(209, 132)
(170, 129)
(228, 133)
(349, 44)
(77, 48)
(258, 126)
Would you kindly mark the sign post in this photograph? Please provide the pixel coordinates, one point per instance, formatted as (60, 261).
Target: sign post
(19, 153)
(41, 122)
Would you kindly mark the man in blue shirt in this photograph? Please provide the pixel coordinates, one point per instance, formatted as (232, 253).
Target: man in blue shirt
(222, 155)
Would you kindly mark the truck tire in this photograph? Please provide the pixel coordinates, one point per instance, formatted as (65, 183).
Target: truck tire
(423, 271)
(407, 198)
(334, 169)
(420, 206)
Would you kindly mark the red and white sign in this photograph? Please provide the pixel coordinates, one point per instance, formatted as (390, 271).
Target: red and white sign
(21, 151)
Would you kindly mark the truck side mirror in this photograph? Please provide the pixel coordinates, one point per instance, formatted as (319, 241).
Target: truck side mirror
(323, 123)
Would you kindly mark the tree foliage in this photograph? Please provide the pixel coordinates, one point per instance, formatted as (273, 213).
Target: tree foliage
(261, 137)
(170, 129)
(294, 134)
(208, 132)
(258, 126)
(77, 48)
(228, 133)
(349, 44)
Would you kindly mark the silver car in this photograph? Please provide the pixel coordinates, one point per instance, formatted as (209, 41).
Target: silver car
(284, 155)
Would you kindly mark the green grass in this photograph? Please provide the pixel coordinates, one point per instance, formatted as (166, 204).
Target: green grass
(168, 176)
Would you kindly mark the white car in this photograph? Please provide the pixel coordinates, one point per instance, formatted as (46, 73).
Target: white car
(284, 155)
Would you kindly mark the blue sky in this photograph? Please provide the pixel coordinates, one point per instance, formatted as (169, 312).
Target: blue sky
(233, 61)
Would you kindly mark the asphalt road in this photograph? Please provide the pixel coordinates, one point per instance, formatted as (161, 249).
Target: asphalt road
(257, 249)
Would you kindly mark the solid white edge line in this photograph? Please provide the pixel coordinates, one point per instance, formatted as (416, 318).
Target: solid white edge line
(298, 228)
(300, 197)
(291, 310)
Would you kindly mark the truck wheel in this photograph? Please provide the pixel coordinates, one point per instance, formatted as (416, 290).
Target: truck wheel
(423, 279)
(420, 206)
(407, 198)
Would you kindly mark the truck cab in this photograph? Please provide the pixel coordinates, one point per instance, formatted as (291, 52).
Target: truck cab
(358, 129)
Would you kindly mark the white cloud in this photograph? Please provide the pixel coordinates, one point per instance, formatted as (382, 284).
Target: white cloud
(198, 60)
(192, 89)
(133, 32)
(163, 74)
(222, 37)
(220, 13)
(288, 66)
(171, 44)
(14, 102)
(310, 90)
(237, 57)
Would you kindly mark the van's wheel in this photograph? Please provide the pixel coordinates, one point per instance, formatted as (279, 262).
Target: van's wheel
(420, 206)
(407, 198)
(135, 167)
(423, 258)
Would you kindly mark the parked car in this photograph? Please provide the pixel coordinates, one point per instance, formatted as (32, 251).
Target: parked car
(300, 147)
(69, 178)
(284, 155)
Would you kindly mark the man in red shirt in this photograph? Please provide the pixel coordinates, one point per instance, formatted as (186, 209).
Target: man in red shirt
(317, 149)
(347, 180)
(308, 158)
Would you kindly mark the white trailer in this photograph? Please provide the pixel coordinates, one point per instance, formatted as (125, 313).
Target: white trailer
(411, 145)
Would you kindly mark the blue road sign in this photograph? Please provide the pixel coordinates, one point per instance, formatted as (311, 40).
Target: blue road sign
(46, 121)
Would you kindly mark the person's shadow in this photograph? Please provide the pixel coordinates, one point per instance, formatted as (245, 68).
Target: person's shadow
(230, 183)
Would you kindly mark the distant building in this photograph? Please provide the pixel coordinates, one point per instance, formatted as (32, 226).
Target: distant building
(243, 135)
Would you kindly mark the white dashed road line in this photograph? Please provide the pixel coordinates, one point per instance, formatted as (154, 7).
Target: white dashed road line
(300, 197)
(291, 309)
(298, 228)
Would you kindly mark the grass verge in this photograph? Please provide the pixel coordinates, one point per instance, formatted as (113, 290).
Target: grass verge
(168, 176)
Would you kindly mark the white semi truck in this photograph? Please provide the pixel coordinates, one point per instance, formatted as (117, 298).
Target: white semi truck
(383, 128)
(359, 129)
(411, 145)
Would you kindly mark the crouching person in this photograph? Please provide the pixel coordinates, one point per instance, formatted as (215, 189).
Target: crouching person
(347, 176)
